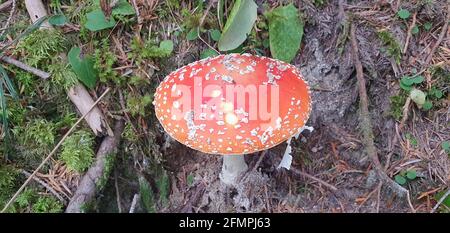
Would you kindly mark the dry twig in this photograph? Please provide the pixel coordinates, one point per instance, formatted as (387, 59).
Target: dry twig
(23, 66)
(45, 185)
(441, 37)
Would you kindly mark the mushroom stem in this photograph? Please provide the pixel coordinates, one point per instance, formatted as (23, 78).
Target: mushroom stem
(232, 167)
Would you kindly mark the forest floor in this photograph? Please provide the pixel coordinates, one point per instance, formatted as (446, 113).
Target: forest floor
(396, 39)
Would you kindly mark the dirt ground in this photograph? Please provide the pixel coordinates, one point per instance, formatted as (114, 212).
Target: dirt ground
(331, 171)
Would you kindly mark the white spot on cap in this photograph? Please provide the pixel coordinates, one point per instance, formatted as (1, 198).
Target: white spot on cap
(231, 119)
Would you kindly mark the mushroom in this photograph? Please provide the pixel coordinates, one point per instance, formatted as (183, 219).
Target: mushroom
(233, 105)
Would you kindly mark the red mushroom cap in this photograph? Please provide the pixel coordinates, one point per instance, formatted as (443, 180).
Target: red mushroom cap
(233, 104)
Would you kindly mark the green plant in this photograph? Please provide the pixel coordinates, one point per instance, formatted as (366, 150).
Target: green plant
(77, 151)
(319, 3)
(405, 175)
(446, 146)
(109, 165)
(46, 204)
(137, 104)
(147, 196)
(129, 134)
(397, 103)
(104, 60)
(63, 78)
(8, 178)
(403, 14)
(445, 202)
(239, 23)
(39, 47)
(83, 67)
(393, 47)
(285, 32)
(30, 201)
(412, 140)
(35, 139)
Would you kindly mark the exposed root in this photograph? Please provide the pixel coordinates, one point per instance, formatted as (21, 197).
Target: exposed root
(366, 124)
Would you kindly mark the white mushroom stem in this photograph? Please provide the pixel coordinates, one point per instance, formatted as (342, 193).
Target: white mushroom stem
(232, 167)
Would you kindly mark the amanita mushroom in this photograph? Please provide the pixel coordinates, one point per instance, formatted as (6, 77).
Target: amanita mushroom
(233, 105)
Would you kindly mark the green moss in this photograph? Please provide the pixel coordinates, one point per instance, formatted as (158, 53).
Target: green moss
(397, 103)
(8, 178)
(34, 140)
(393, 47)
(137, 104)
(129, 134)
(104, 61)
(63, 78)
(39, 47)
(150, 49)
(29, 200)
(77, 151)
(47, 204)
(109, 165)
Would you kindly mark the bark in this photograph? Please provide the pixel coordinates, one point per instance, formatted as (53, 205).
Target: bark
(89, 183)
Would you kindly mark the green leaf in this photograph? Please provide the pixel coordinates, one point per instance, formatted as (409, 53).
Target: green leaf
(446, 146)
(192, 34)
(84, 68)
(285, 32)
(403, 14)
(97, 21)
(427, 105)
(400, 179)
(215, 34)
(239, 24)
(190, 179)
(415, 30)
(208, 53)
(446, 201)
(405, 87)
(408, 81)
(57, 20)
(123, 8)
(411, 174)
(166, 46)
(417, 96)
(436, 93)
(9, 85)
(427, 26)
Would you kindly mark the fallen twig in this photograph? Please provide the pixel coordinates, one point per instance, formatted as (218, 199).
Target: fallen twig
(52, 152)
(366, 124)
(116, 185)
(136, 199)
(441, 37)
(45, 185)
(23, 66)
(304, 174)
(408, 36)
(440, 201)
(89, 183)
(8, 21)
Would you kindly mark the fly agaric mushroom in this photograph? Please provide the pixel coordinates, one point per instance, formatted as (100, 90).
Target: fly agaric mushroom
(233, 105)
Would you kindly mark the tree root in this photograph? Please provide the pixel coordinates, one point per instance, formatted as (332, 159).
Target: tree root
(366, 124)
